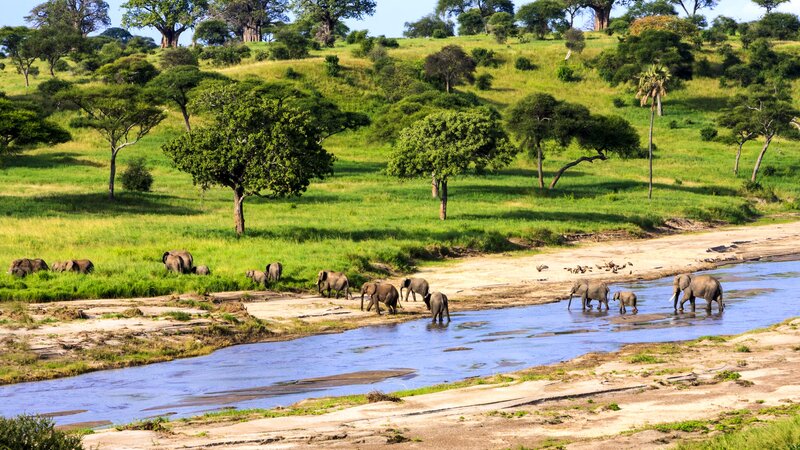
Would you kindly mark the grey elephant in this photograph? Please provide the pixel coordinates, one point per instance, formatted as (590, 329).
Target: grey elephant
(187, 261)
(693, 286)
(258, 277)
(380, 292)
(201, 270)
(59, 266)
(414, 286)
(626, 298)
(83, 266)
(336, 281)
(25, 266)
(438, 305)
(274, 271)
(174, 263)
(588, 291)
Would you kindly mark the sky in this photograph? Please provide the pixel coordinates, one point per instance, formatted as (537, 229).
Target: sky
(390, 15)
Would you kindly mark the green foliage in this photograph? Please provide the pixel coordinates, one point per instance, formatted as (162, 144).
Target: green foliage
(470, 22)
(542, 17)
(575, 40)
(727, 375)
(21, 125)
(80, 17)
(327, 14)
(636, 53)
(688, 426)
(484, 57)
(483, 82)
(708, 133)
(175, 85)
(501, 26)
(619, 103)
(743, 349)
(332, 67)
(395, 117)
(170, 17)
(428, 26)
(32, 432)
(226, 55)
(130, 69)
(524, 64)
(19, 45)
(780, 26)
(137, 176)
(296, 44)
(451, 66)
(566, 74)
(644, 358)
(212, 32)
(179, 56)
(769, 5)
(118, 34)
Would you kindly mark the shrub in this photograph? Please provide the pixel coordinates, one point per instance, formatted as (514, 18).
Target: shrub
(137, 177)
(484, 82)
(484, 57)
(618, 102)
(61, 66)
(178, 56)
(378, 396)
(279, 52)
(566, 74)
(356, 36)
(292, 74)
(440, 34)
(226, 55)
(2, 66)
(296, 44)
(130, 69)
(383, 41)
(523, 63)
(708, 133)
(673, 124)
(768, 171)
(332, 67)
(35, 433)
(261, 55)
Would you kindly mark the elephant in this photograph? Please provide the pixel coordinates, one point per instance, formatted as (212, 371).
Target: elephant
(59, 266)
(437, 304)
(174, 263)
(83, 266)
(258, 277)
(337, 281)
(703, 286)
(414, 286)
(380, 292)
(26, 266)
(186, 259)
(588, 291)
(626, 298)
(274, 271)
(201, 270)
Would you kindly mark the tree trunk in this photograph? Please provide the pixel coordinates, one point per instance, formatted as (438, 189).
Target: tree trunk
(113, 174)
(51, 67)
(169, 38)
(251, 33)
(325, 32)
(738, 155)
(443, 205)
(434, 186)
(650, 151)
(447, 85)
(26, 72)
(185, 113)
(238, 210)
(660, 108)
(760, 158)
(561, 171)
(601, 18)
(539, 164)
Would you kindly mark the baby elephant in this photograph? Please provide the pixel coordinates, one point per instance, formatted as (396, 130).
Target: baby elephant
(201, 270)
(258, 277)
(83, 266)
(414, 286)
(274, 271)
(626, 298)
(380, 292)
(179, 261)
(437, 304)
(333, 281)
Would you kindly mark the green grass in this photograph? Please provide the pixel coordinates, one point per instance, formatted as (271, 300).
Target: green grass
(53, 203)
(781, 434)
(644, 358)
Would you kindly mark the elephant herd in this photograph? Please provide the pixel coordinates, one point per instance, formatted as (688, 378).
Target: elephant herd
(26, 266)
(386, 293)
(692, 286)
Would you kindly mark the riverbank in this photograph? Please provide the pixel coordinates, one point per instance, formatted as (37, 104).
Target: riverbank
(39, 341)
(644, 396)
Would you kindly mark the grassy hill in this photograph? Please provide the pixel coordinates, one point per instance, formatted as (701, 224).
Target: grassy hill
(53, 201)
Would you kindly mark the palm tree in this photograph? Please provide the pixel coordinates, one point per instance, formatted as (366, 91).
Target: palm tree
(653, 86)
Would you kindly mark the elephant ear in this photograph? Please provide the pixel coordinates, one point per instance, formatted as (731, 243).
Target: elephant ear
(323, 275)
(266, 269)
(69, 266)
(164, 257)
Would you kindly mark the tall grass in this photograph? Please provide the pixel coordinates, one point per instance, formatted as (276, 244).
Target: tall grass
(53, 206)
(783, 434)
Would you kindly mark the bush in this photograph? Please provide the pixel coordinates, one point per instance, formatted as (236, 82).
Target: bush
(61, 66)
(523, 63)
(673, 124)
(296, 44)
(356, 36)
(292, 74)
(2, 66)
(484, 57)
(618, 102)
(708, 133)
(332, 67)
(566, 74)
(137, 176)
(440, 34)
(484, 82)
(130, 69)
(31, 432)
(261, 55)
(226, 55)
(279, 52)
(178, 56)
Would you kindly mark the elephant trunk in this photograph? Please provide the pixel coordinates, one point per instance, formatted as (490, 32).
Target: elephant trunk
(674, 299)
(570, 301)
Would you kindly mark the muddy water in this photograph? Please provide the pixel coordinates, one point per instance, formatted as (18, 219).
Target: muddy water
(407, 355)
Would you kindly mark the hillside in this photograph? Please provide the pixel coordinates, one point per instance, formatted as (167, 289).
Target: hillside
(53, 203)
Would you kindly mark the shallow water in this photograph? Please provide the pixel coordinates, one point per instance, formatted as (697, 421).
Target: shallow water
(407, 355)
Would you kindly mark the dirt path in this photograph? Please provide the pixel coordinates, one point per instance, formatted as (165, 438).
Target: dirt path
(89, 330)
(598, 401)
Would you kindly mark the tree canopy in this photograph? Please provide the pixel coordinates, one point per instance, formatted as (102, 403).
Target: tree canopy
(83, 16)
(542, 16)
(327, 14)
(170, 17)
(429, 26)
(22, 125)
(174, 85)
(451, 65)
(19, 44)
(249, 18)
(636, 53)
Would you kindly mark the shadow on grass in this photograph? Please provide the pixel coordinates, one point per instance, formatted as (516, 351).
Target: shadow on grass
(700, 103)
(350, 168)
(96, 203)
(46, 160)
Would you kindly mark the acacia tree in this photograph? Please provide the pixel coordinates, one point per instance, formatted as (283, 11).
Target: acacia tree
(450, 144)
(254, 145)
(173, 85)
(743, 129)
(652, 87)
(119, 113)
(249, 18)
(19, 45)
(327, 14)
(54, 43)
(451, 65)
(602, 12)
(769, 5)
(541, 16)
(691, 7)
(170, 17)
(532, 121)
(21, 126)
(83, 16)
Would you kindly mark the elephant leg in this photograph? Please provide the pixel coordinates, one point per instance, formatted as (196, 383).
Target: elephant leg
(683, 300)
(692, 301)
(413, 296)
(585, 302)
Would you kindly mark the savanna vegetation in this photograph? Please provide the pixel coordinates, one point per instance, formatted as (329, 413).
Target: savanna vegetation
(343, 176)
